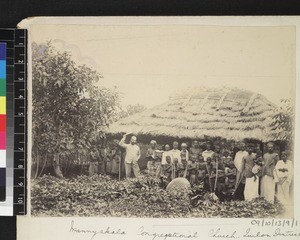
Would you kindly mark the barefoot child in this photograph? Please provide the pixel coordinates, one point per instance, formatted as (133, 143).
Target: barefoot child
(184, 155)
(151, 157)
(210, 175)
(192, 170)
(257, 169)
(167, 169)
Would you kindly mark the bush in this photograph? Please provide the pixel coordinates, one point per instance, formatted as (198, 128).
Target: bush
(103, 196)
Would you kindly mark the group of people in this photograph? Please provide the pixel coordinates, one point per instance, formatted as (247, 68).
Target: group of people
(247, 173)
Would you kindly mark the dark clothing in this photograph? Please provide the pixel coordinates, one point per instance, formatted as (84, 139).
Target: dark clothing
(239, 193)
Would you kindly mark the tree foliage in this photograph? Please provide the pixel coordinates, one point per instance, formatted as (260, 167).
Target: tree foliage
(70, 113)
(283, 121)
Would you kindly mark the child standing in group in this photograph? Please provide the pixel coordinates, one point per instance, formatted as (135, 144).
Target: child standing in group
(192, 169)
(168, 169)
(220, 169)
(184, 153)
(258, 163)
(165, 154)
(182, 169)
(175, 153)
(175, 167)
(195, 151)
(182, 166)
(210, 175)
(151, 157)
(227, 161)
(201, 172)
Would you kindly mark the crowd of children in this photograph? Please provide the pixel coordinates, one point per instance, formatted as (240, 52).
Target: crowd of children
(215, 168)
(245, 173)
(241, 170)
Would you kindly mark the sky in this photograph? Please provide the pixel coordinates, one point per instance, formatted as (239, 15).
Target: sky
(150, 63)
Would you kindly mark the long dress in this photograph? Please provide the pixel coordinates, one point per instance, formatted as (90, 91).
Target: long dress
(267, 180)
(283, 175)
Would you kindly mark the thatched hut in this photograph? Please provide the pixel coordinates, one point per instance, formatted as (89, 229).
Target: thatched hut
(195, 113)
(207, 114)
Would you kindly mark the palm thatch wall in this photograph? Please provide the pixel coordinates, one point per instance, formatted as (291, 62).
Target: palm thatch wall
(196, 113)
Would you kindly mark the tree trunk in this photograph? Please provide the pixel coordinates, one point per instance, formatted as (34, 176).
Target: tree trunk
(56, 166)
(45, 161)
(37, 164)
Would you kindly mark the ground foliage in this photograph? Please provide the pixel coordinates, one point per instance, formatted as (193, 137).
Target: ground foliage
(103, 196)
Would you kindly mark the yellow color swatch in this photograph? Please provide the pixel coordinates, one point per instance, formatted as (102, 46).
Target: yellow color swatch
(2, 105)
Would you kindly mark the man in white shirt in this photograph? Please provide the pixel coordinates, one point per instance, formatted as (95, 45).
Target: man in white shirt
(238, 162)
(208, 152)
(175, 153)
(133, 154)
(165, 154)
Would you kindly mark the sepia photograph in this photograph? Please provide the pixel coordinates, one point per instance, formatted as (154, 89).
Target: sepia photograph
(162, 121)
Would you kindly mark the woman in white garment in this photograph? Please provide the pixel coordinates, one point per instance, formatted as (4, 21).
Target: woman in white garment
(267, 184)
(283, 175)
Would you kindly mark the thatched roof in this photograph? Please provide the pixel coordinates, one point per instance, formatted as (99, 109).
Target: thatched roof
(229, 113)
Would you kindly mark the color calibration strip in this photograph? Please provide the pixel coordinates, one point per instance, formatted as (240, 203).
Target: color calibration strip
(7, 38)
(13, 111)
(20, 121)
(2, 121)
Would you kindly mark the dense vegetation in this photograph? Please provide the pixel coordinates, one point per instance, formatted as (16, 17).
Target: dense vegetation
(103, 196)
(70, 110)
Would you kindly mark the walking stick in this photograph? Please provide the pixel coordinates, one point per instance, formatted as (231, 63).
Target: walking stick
(209, 179)
(173, 171)
(120, 165)
(238, 184)
(120, 168)
(216, 180)
(185, 171)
